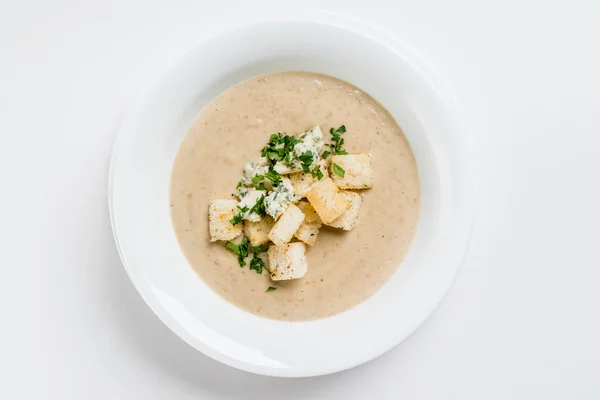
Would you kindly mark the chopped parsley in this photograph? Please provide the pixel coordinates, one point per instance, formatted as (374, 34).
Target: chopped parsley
(236, 219)
(317, 173)
(258, 249)
(242, 250)
(271, 150)
(271, 175)
(289, 142)
(337, 139)
(280, 147)
(259, 207)
(233, 247)
(306, 159)
(270, 289)
(239, 216)
(257, 264)
(338, 170)
(325, 154)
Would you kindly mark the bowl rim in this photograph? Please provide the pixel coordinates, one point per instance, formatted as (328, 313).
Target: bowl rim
(373, 32)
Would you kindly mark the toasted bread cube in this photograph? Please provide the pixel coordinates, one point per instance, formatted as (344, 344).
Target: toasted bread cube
(287, 261)
(348, 220)
(285, 227)
(357, 171)
(219, 214)
(258, 232)
(324, 196)
(308, 232)
(302, 182)
(310, 215)
(309, 229)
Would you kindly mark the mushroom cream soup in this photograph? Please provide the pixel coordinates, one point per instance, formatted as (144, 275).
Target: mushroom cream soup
(345, 267)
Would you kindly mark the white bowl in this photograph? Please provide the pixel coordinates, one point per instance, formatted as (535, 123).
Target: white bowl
(139, 196)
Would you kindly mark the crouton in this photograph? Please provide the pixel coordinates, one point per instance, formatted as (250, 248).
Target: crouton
(309, 229)
(324, 196)
(287, 261)
(357, 171)
(310, 215)
(308, 232)
(348, 220)
(219, 214)
(285, 227)
(258, 232)
(302, 182)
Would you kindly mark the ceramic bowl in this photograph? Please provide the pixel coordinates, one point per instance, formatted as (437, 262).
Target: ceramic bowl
(139, 195)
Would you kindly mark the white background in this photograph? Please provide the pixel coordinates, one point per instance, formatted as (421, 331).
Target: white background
(521, 322)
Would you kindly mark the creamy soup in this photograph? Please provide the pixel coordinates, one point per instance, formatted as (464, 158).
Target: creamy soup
(344, 268)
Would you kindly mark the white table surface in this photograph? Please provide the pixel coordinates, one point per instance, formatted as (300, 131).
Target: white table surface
(523, 318)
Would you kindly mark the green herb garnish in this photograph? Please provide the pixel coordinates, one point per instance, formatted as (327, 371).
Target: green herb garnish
(289, 142)
(233, 247)
(325, 154)
(258, 249)
(271, 146)
(273, 176)
(270, 289)
(239, 217)
(236, 219)
(317, 173)
(280, 147)
(306, 158)
(277, 155)
(259, 207)
(337, 139)
(257, 264)
(338, 170)
(242, 250)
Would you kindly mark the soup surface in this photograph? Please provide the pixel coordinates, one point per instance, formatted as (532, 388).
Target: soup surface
(344, 268)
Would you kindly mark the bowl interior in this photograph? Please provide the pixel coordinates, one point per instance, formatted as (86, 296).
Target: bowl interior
(146, 148)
